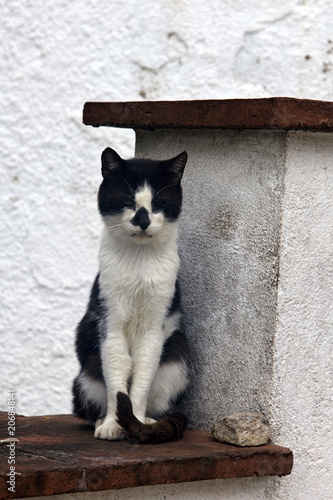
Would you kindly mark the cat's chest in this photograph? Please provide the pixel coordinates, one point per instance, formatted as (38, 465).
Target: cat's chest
(137, 274)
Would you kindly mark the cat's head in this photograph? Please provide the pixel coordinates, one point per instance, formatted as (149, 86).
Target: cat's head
(140, 199)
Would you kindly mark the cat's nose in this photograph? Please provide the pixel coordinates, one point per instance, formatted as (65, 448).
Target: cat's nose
(141, 219)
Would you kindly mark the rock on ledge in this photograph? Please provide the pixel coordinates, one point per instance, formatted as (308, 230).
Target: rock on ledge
(242, 429)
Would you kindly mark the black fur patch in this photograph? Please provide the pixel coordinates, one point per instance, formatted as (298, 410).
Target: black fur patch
(170, 428)
(122, 178)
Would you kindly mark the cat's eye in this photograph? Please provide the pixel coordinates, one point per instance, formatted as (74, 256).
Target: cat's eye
(129, 201)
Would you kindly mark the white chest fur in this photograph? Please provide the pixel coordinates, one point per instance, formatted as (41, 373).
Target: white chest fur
(138, 281)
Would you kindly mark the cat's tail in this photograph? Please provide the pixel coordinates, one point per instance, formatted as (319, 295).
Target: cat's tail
(170, 428)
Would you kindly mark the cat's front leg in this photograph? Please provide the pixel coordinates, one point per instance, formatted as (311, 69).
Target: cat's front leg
(117, 366)
(145, 364)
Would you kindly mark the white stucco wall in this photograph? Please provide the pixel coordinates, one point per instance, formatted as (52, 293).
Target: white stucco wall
(57, 55)
(302, 409)
(253, 488)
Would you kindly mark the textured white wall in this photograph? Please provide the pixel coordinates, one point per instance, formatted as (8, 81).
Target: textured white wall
(253, 488)
(302, 410)
(57, 55)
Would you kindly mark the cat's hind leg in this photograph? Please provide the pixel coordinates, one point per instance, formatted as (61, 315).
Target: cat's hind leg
(170, 382)
(149, 420)
(89, 397)
(99, 422)
(90, 403)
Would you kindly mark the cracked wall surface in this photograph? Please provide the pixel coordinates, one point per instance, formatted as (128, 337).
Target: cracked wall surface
(55, 56)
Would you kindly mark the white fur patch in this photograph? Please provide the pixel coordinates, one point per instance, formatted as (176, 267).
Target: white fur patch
(171, 379)
(171, 324)
(94, 390)
(143, 198)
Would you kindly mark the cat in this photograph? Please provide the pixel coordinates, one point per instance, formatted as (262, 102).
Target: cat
(131, 343)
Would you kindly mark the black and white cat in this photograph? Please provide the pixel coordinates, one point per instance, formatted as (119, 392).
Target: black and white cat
(131, 343)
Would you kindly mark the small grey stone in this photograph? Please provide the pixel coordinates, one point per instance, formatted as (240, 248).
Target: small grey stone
(242, 429)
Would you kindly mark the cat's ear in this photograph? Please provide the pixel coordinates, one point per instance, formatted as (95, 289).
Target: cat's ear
(176, 166)
(111, 161)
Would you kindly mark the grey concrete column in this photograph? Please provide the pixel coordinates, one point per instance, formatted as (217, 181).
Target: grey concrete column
(229, 243)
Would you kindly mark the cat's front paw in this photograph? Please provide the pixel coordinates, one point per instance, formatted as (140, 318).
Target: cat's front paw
(108, 429)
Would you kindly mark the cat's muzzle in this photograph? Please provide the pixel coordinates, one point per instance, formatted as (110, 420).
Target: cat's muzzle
(141, 219)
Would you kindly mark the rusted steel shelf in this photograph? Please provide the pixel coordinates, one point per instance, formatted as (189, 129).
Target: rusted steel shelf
(58, 454)
(284, 113)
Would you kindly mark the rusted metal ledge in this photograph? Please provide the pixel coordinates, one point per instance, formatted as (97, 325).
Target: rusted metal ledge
(270, 113)
(58, 454)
